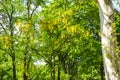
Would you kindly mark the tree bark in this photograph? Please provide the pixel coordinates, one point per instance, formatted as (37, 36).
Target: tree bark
(14, 69)
(111, 64)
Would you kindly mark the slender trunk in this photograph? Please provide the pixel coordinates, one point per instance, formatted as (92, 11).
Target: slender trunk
(53, 67)
(69, 69)
(12, 52)
(14, 67)
(13, 62)
(59, 72)
(25, 76)
(13, 57)
(102, 70)
(24, 73)
(51, 71)
(59, 67)
(108, 40)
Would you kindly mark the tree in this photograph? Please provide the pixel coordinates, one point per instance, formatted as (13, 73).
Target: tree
(9, 23)
(108, 40)
(70, 40)
(17, 36)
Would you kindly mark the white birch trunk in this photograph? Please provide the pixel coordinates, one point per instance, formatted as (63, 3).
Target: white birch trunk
(111, 65)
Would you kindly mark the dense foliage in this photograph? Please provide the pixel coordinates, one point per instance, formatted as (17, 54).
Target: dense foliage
(43, 40)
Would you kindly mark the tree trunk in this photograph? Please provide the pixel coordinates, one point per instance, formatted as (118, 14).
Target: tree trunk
(13, 59)
(25, 70)
(102, 70)
(59, 72)
(108, 37)
(59, 66)
(14, 68)
(53, 67)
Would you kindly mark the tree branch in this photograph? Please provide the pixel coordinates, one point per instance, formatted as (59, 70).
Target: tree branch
(28, 7)
(3, 28)
(34, 11)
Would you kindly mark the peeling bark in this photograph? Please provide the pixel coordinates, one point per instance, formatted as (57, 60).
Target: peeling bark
(111, 64)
